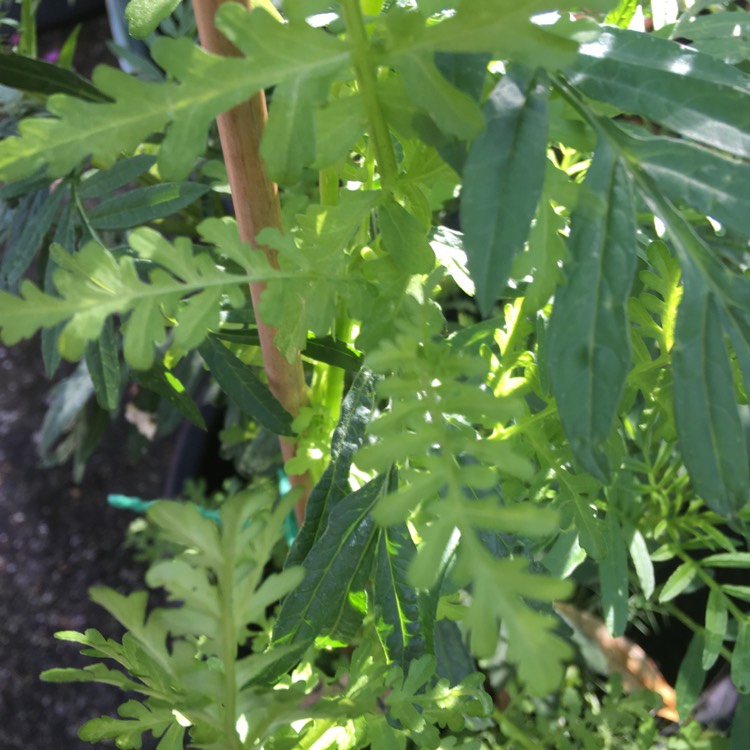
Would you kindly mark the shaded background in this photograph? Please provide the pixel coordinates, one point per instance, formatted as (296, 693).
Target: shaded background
(57, 538)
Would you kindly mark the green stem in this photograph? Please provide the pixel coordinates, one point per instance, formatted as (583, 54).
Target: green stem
(328, 184)
(27, 45)
(229, 649)
(367, 81)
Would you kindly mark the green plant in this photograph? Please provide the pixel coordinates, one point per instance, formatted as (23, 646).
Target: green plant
(562, 381)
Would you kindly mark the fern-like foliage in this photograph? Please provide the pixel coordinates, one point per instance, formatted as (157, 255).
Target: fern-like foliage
(442, 439)
(158, 285)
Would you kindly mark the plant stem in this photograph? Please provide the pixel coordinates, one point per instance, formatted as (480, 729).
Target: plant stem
(27, 45)
(256, 205)
(229, 643)
(367, 81)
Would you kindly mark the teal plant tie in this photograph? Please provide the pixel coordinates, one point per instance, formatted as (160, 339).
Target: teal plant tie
(138, 505)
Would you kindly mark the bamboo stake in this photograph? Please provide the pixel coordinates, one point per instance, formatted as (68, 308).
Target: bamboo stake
(256, 205)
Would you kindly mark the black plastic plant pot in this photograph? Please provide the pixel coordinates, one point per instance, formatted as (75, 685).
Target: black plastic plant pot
(53, 13)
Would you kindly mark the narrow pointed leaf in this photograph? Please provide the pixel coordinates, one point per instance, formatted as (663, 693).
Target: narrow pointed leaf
(333, 486)
(103, 365)
(588, 340)
(639, 554)
(396, 604)
(613, 571)
(708, 423)
(120, 174)
(741, 657)
(677, 582)
(503, 180)
(245, 388)
(690, 678)
(141, 205)
(716, 627)
(19, 254)
(335, 568)
(159, 380)
(39, 77)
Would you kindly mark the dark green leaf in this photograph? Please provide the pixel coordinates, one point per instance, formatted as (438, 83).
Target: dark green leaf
(741, 657)
(103, 364)
(503, 180)
(19, 254)
(688, 92)
(333, 486)
(613, 571)
(336, 567)
(39, 77)
(323, 349)
(465, 70)
(708, 423)
(707, 181)
(397, 617)
(716, 627)
(690, 678)
(141, 205)
(589, 351)
(161, 381)
(327, 349)
(245, 388)
(122, 173)
(741, 724)
(454, 660)
(452, 110)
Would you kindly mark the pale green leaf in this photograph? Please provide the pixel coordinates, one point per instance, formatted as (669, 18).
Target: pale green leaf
(717, 619)
(290, 136)
(144, 16)
(677, 582)
(208, 85)
(613, 573)
(641, 558)
(405, 239)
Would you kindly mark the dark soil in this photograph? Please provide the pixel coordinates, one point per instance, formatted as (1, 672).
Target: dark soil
(57, 539)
